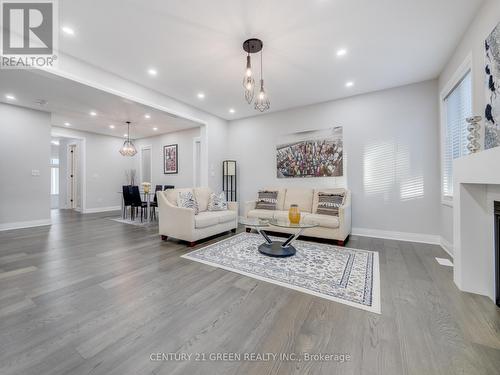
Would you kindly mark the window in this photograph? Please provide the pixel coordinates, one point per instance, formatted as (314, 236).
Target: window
(54, 176)
(457, 106)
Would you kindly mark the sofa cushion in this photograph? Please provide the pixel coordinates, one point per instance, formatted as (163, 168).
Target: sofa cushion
(225, 216)
(328, 191)
(202, 195)
(186, 199)
(329, 203)
(326, 221)
(206, 219)
(267, 200)
(217, 202)
(281, 197)
(301, 197)
(261, 214)
(172, 194)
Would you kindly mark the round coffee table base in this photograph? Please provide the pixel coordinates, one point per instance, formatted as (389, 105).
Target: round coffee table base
(275, 250)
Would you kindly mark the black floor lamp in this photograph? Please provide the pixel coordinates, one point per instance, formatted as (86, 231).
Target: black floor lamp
(229, 179)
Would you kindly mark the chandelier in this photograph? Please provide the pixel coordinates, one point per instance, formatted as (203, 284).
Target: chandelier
(262, 101)
(128, 148)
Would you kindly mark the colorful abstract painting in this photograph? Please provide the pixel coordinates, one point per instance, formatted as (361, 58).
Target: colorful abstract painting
(316, 153)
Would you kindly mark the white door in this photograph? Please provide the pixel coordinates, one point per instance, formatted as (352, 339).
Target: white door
(72, 176)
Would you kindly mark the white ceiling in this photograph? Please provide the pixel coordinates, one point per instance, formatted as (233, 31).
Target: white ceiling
(195, 45)
(71, 102)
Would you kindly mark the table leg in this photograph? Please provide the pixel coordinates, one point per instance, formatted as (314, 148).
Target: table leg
(292, 238)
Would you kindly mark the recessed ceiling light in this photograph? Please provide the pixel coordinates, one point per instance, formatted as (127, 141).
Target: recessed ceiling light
(10, 97)
(125, 135)
(67, 124)
(201, 95)
(341, 52)
(68, 30)
(152, 72)
(111, 126)
(155, 129)
(147, 115)
(93, 113)
(231, 110)
(349, 84)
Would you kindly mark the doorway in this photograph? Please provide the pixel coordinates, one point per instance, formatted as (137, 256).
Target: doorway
(146, 165)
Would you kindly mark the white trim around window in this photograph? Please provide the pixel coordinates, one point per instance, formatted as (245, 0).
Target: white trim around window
(464, 69)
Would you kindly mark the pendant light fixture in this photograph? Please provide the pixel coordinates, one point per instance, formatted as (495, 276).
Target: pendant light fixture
(262, 102)
(128, 148)
(248, 81)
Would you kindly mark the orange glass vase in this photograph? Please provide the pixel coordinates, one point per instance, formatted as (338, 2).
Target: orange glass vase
(294, 214)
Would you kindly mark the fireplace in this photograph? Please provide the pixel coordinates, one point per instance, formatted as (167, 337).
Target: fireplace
(496, 213)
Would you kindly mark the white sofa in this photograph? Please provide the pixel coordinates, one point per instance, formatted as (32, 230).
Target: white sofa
(330, 227)
(183, 224)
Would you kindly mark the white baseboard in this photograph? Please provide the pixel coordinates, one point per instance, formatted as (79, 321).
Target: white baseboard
(25, 224)
(400, 236)
(406, 236)
(447, 246)
(101, 209)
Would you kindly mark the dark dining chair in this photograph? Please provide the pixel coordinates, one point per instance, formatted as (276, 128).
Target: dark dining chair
(166, 187)
(154, 203)
(127, 199)
(137, 203)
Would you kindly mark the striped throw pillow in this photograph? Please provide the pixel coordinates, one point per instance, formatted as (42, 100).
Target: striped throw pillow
(217, 202)
(328, 204)
(267, 200)
(187, 200)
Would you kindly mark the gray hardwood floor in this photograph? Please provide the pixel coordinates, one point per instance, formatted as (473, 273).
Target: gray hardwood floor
(93, 296)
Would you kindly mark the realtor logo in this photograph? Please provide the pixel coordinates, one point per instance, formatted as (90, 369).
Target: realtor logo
(29, 34)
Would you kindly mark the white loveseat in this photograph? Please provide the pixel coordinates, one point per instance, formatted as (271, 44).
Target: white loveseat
(329, 227)
(183, 224)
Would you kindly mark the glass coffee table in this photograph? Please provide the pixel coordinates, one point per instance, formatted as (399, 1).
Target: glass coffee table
(279, 249)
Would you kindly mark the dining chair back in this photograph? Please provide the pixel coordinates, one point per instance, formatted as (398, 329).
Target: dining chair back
(127, 196)
(136, 196)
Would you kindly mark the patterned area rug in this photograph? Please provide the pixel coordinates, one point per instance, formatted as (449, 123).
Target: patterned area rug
(348, 276)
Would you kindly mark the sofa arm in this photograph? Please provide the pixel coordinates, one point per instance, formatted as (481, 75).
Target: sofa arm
(249, 205)
(345, 224)
(174, 221)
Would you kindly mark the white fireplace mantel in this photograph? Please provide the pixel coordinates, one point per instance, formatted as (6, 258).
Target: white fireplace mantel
(474, 180)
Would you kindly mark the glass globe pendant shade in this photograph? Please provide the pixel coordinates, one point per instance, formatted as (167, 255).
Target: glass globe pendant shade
(128, 148)
(249, 82)
(262, 102)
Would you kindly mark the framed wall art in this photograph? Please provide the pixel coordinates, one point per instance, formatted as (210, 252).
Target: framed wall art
(170, 159)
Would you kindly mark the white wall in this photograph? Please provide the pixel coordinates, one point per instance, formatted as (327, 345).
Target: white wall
(103, 167)
(184, 140)
(472, 43)
(24, 146)
(391, 155)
